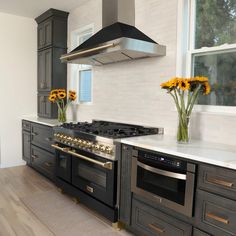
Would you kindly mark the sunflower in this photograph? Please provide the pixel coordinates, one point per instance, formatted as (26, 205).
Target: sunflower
(165, 85)
(183, 84)
(61, 95)
(206, 88)
(61, 90)
(52, 97)
(72, 97)
(173, 82)
(54, 91)
(201, 79)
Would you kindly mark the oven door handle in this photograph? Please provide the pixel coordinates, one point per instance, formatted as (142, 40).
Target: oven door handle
(106, 165)
(162, 172)
(56, 146)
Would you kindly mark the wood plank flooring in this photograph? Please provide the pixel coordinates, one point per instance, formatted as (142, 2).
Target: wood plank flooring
(15, 218)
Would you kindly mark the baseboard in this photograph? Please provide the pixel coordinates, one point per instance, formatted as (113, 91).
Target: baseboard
(3, 165)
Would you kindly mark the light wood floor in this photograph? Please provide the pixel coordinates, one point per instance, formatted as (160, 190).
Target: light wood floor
(15, 218)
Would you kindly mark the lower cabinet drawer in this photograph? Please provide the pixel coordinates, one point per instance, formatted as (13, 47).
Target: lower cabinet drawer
(43, 161)
(148, 221)
(197, 232)
(215, 214)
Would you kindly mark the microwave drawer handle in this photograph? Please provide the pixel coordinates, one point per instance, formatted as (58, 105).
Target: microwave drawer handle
(106, 165)
(162, 172)
(56, 146)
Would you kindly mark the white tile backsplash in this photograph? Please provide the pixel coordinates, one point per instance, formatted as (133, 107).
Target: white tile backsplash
(130, 91)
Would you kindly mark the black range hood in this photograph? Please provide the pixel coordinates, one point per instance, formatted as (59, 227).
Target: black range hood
(117, 41)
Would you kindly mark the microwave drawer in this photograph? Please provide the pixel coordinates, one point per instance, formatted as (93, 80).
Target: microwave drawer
(149, 221)
(215, 214)
(217, 180)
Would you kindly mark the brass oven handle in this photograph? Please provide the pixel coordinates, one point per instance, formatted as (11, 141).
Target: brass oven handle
(107, 165)
(217, 218)
(221, 182)
(72, 55)
(60, 148)
(157, 229)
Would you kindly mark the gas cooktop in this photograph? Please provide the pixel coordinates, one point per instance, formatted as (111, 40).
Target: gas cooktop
(111, 130)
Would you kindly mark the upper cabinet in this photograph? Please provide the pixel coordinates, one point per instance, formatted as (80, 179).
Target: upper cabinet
(52, 43)
(52, 29)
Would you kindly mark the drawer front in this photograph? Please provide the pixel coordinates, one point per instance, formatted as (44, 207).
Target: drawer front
(42, 136)
(43, 161)
(148, 221)
(26, 125)
(197, 232)
(218, 180)
(215, 214)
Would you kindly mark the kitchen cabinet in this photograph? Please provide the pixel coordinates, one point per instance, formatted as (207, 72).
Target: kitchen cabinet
(52, 43)
(197, 232)
(36, 147)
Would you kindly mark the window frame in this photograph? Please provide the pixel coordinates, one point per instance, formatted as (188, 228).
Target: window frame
(186, 51)
(77, 68)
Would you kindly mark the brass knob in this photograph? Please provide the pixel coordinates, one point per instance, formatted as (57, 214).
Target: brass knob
(89, 144)
(84, 143)
(108, 150)
(102, 148)
(97, 147)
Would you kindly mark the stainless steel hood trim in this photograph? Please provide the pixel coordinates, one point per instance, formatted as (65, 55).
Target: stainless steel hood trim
(112, 50)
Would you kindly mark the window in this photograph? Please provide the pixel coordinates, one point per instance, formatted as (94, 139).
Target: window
(212, 48)
(81, 79)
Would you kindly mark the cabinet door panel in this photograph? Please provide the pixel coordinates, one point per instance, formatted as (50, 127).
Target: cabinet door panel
(41, 36)
(48, 33)
(26, 146)
(41, 71)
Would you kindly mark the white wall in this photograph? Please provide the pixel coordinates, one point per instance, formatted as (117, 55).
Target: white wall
(130, 91)
(18, 71)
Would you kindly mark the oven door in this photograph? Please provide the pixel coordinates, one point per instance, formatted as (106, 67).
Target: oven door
(95, 176)
(169, 188)
(63, 163)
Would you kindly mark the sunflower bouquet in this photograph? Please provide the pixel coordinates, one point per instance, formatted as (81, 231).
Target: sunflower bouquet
(185, 92)
(58, 96)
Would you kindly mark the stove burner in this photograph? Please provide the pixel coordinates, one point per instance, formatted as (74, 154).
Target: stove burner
(110, 129)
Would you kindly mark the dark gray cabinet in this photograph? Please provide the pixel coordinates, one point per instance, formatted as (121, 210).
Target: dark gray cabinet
(52, 43)
(197, 232)
(36, 147)
(26, 142)
(148, 221)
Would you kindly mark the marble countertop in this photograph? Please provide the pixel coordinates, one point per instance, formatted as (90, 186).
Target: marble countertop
(201, 151)
(43, 121)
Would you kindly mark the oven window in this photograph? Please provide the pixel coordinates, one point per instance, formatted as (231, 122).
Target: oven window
(62, 161)
(92, 174)
(163, 186)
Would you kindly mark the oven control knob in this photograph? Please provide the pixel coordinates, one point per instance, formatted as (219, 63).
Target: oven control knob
(89, 144)
(102, 148)
(97, 147)
(108, 150)
(84, 143)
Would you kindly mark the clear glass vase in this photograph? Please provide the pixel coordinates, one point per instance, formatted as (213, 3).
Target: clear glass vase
(61, 116)
(183, 130)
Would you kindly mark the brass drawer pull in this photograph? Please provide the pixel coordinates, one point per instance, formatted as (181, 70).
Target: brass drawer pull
(48, 164)
(220, 182)
(217, 218)
(34, 134)
(89, 189)
(34, 157)
(157, 229)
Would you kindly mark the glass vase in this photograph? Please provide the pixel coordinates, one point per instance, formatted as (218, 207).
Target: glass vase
(183, 130)
(61, 116)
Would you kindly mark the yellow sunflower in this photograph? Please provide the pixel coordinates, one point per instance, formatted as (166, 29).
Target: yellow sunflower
(52, 97)
(61, 95)
(183, 84)
(201, 79)
(54, 91)
(206, 88)
(61, 90)
(165, 85)
(72, 97)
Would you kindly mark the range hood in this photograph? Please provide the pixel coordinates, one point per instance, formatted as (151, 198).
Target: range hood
(119, 40)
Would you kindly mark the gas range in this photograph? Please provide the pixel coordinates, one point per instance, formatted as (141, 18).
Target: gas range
(99, 137)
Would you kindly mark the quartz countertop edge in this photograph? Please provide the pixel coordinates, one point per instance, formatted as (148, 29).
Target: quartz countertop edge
(221, 155)
(43, 121)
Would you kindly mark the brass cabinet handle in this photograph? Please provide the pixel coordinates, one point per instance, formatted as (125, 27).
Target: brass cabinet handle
(157, 229)
(106, 165)
(217, 218)
(60, 148)
(34, 157)
(34, 134)
(48, 164)
(220, 182)
(89, 189)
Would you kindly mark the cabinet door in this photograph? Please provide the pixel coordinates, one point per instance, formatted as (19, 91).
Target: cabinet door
(45, 107)
(41, 37)
(48, 33)
(45, 70)
(26, 146)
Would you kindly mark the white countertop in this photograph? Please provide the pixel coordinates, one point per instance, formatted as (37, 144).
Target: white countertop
(43, 121)
(201, 151)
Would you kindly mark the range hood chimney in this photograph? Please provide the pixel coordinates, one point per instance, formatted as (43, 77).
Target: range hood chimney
(117, 41)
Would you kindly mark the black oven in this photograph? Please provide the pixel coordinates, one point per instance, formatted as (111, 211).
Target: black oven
(164, 179)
